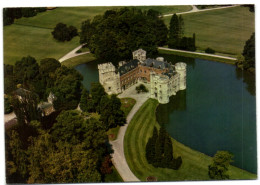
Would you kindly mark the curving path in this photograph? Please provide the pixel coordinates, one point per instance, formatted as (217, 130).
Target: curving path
(193, 52)
(72, 54)
(118, 157)
(195, 9)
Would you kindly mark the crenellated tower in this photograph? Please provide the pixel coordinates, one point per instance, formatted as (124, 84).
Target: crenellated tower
(109, 78)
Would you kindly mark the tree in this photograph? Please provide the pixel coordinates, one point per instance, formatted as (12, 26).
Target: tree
(176, 35)
(249, 53)
(19, 156)
(174, 32)
(69, 127)
(26, 70)
(67, 88)
(63, 33)
(97, 91)
(219, 168)
(150, 147)
(84, 100)
(24, 104)
(111, 113)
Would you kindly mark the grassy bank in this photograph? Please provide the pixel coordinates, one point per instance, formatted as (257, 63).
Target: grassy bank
(81, 59)
(194, 55)
(224, 30)
(195, 164)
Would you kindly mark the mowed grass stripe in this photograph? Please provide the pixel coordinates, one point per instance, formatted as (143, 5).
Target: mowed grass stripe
(137, 133)
(129, 144)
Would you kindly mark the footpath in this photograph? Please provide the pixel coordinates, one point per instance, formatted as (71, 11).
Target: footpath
(197, 53)
(118, 157)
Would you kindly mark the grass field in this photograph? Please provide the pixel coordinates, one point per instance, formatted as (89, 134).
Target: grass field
(79, 60)
(32, 36)
(194, 166)
(224, 30)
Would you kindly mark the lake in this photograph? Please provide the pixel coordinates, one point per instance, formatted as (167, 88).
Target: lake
(217, 111)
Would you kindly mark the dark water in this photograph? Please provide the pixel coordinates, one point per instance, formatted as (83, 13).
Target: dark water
(217, 111)
(89, 71)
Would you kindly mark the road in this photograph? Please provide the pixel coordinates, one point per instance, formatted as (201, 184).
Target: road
(193, 52)
(118, 157)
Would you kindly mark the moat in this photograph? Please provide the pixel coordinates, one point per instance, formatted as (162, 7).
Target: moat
(217, 111)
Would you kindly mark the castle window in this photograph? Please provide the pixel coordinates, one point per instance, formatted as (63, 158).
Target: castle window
(109, 88)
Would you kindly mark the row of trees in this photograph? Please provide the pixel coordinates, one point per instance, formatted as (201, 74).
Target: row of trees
(159, 150)
(176, 35)
(117, 33)
(10, 14)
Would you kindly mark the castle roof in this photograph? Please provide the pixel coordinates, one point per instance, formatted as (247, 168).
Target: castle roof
(128, 66)
(156, 63)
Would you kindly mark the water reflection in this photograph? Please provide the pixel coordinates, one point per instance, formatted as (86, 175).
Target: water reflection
(177, 103)
(248, 78)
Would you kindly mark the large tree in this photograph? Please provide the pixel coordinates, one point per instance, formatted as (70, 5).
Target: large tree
(219, 168)
(63, 33)
(24, 104)
(67, 88)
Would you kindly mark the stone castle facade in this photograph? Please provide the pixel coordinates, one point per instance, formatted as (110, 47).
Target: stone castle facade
(165, 79)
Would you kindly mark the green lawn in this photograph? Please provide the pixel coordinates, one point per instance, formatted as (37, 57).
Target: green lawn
(224, 30)
(126, 106)
(194, 166)
(79, 60)
(32, 36)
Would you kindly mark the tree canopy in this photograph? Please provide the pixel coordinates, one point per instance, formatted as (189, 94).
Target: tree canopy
(63, 33)
(118, 32)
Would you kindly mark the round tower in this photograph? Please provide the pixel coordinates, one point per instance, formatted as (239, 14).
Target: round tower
(180, 68)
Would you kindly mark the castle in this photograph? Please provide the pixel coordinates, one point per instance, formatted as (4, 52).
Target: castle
(165, 79)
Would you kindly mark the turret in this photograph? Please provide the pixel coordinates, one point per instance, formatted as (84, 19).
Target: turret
(139, 55)
(180, 68)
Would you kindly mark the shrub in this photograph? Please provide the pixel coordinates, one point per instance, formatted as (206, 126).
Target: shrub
(141, 88)
(209, 50)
